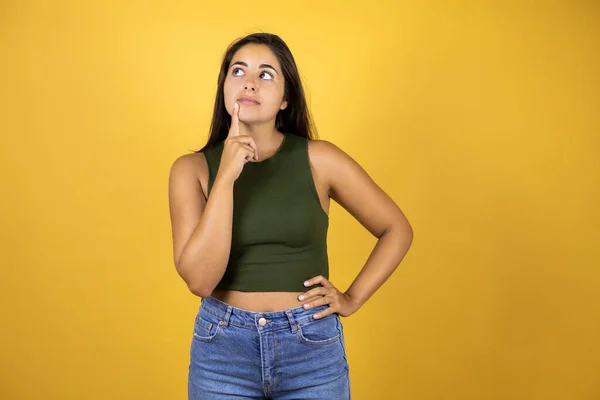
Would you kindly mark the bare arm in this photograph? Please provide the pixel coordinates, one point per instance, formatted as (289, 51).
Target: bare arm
(201, 229)
(351, 187)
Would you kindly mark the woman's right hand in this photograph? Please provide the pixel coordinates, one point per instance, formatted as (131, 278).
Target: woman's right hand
(237, 150)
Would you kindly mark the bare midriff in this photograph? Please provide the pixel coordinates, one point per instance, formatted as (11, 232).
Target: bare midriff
(261, 301)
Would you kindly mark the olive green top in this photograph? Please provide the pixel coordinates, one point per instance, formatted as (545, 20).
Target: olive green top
(279, 235)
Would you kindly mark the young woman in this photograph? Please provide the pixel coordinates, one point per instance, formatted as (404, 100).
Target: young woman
(249, 214)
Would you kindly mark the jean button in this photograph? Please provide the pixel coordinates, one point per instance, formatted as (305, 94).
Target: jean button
(262, 322)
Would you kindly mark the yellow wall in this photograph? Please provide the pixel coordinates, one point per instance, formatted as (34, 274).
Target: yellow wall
(480, 119)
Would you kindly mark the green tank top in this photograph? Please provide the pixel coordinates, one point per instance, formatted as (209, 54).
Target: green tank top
(279, 236)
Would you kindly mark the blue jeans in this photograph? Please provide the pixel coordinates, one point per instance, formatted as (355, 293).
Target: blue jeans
(283, 355)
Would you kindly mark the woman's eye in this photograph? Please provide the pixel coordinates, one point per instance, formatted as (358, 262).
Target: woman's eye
(264, 74)
(268, 74)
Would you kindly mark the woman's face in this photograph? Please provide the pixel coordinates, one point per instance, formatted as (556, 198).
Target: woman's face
(255, 73)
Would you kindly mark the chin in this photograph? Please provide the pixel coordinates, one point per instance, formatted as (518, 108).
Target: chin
(253, 119)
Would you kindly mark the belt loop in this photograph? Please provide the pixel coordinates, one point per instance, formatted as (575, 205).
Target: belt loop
(225, 322)
(292, 320)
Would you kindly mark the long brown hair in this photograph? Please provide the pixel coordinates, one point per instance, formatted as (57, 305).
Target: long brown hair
(295, 119)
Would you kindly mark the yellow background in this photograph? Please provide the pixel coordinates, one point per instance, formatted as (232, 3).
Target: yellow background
(479, 118)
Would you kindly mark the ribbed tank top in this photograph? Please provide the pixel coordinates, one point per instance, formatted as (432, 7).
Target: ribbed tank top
(279, 236)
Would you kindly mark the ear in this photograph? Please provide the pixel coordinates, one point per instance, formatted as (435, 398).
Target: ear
(283, 105)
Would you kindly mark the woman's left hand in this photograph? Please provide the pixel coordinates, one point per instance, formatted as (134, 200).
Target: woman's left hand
(340, 303)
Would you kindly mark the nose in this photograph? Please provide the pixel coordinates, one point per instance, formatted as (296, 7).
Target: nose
(249, 84)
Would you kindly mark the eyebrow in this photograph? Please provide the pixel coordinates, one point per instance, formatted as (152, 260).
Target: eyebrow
(260, 66)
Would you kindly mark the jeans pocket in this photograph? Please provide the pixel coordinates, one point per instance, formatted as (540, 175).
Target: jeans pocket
(319, 332)
(206, 327)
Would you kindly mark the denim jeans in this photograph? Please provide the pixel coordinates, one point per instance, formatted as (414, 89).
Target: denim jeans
(284, 355)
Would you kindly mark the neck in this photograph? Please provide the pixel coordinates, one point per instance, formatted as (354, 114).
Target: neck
(266, 137)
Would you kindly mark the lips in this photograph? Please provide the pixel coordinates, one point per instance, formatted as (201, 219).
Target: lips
(247, 100)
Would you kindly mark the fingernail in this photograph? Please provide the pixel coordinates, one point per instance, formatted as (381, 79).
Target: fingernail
(306, 283)
(306, 306)
(235, 106)
(301, 297)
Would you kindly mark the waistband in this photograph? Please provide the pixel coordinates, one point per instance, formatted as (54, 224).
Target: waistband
(290, 318)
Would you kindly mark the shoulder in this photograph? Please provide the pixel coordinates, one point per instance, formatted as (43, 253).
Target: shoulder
(191, 168)
(333, 164)
(193, 162)
(321, 148)
(327, 154)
